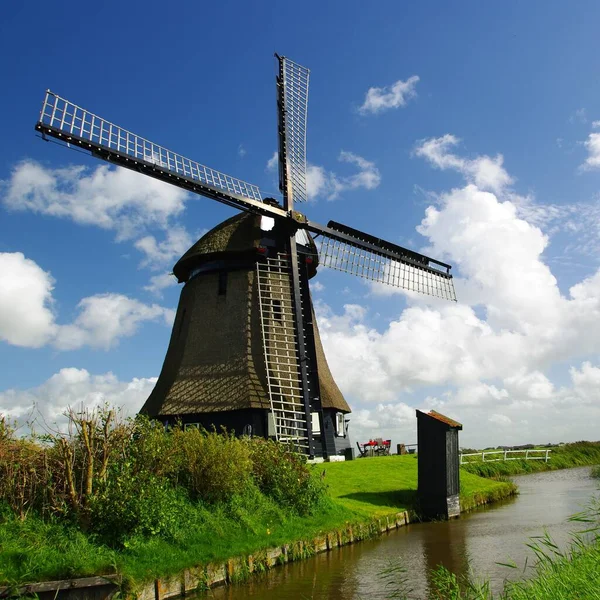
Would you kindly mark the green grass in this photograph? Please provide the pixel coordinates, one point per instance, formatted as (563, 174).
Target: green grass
(578, 454)
(568, 576)
(375, 487)
(359, 491)
(573, 574)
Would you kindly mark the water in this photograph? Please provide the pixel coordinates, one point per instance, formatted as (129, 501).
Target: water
(482, 539)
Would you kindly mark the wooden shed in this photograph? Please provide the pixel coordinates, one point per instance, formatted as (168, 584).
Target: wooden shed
(439, 463)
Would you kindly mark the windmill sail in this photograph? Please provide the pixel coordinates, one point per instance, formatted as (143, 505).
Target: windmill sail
(346, 249)
(281, 349)
(292, 105)
(74, 125)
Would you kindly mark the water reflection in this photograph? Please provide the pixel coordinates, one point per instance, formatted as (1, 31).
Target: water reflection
(482, 539)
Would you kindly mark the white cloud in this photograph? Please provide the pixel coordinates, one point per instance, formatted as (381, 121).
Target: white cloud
(485, 172)
(500, 420)
(317, 181)
(596, 125)
(242, 151)
(329, 185)
(578, 116)
(72, 387)
(105, 318)
(26, 318)
(163, 253)
(494, 353)
(160, 282)
(395, 96)
(112, 198)
(273, 162)
(592, 145)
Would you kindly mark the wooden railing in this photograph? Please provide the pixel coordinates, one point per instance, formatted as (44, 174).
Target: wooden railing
(525, 455)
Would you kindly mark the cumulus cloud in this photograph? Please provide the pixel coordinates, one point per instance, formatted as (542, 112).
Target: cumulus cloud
(592, 145)
(158, 254)
(330, 185)
(485, 172)
(27, 319)
(26, 316)
(492, 356)
(112, 198)
(73, 388)
(379, 99)
(105, 318)
(160, 282)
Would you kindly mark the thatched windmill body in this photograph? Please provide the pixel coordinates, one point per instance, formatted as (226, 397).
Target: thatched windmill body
(245, 350)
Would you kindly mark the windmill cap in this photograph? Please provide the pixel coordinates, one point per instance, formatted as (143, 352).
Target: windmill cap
(238, 236)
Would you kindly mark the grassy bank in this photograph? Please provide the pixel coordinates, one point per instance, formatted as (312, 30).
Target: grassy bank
(578, 454)
(558, 575)
(376, 487)
(35, 549)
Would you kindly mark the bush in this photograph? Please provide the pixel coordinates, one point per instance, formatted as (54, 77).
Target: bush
(284, 475)
(133, 505)
(125, 479)
(213, 466)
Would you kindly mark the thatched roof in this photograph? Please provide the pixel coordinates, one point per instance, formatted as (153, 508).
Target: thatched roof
(240, 235)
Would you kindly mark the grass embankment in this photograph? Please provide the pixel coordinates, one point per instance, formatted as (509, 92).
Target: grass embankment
(375, 487)
(578, 454)
(557, 575)
(144, 519)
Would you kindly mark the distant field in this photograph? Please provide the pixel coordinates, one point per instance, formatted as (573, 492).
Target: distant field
(578, 454)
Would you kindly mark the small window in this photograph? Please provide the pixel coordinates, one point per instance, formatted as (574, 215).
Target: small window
(340, 425)
(316, 423)
(222, 283)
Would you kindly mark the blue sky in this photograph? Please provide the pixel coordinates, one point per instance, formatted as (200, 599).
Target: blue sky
(514, 183)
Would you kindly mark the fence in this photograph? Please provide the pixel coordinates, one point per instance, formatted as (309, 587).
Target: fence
(525, 455)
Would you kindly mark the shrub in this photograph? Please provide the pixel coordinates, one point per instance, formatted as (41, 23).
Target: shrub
(214, 466)
(133, 505)
(284, 475)
(23, 472)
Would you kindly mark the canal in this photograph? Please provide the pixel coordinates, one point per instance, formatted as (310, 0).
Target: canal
(481, 539)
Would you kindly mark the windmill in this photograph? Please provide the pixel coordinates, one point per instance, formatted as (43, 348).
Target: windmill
(245, 351)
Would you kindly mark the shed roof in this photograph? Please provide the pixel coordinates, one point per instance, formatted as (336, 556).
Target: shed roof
(444, 419)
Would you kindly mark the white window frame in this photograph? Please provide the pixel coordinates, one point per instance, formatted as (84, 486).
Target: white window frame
(340, 424)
